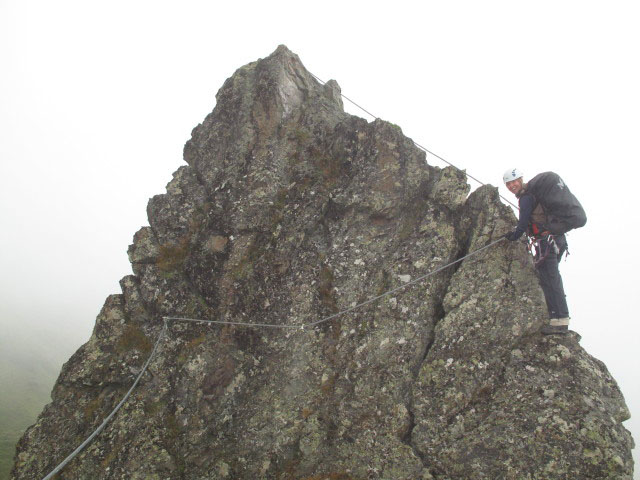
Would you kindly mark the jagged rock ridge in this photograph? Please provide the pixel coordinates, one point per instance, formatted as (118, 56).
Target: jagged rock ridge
(289, 210)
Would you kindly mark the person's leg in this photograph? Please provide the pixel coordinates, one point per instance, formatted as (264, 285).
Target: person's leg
(547, 268)
(556, 280)
(543, 278)
(551, 283)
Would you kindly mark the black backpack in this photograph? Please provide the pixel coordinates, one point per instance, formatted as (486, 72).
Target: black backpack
(561, 207)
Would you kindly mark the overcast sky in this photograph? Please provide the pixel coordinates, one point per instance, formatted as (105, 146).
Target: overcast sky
(98, 98)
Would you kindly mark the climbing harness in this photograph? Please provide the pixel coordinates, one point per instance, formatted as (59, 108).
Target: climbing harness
(541, 246)
(300, 327)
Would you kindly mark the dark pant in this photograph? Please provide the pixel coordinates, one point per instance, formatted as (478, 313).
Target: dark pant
(549, 275)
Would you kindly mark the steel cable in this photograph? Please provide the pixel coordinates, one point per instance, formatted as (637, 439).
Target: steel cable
(253, 325)
(417, 144)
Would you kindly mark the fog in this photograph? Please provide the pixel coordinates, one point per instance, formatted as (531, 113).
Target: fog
(97, 101)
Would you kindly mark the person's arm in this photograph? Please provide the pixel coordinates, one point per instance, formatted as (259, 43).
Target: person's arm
(526, 203)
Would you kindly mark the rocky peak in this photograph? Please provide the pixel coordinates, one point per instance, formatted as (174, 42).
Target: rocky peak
(281, 84)
(288, 211)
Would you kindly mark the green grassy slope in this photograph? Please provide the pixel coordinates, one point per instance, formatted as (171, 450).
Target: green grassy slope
(30, 361)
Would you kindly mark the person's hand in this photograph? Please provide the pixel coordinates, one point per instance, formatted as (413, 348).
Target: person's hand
(511, 236)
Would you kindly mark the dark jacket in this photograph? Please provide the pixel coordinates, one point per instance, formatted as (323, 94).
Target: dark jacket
(531, 212)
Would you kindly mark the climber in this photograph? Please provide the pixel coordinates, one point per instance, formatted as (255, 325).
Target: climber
(550, 244)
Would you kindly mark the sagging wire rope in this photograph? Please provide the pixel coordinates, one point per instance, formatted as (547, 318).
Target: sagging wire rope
(300, 327)
(303, 326)
(111, 415)
(424, 149)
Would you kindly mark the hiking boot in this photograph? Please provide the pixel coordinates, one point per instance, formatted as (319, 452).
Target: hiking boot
(554, 329)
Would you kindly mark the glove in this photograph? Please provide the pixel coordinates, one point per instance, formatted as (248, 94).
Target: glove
(511, 236)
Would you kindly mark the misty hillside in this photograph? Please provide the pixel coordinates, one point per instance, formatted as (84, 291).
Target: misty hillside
(305, 230)
(30, 360)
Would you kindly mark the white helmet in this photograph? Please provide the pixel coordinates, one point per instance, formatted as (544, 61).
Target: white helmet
(512, 174)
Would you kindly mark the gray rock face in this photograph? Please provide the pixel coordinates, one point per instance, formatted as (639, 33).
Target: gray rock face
(290, 210)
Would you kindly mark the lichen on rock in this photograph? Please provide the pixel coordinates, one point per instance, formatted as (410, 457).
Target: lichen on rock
(290, 210)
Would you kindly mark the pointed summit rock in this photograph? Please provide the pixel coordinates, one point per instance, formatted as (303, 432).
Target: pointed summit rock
(289, 211)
